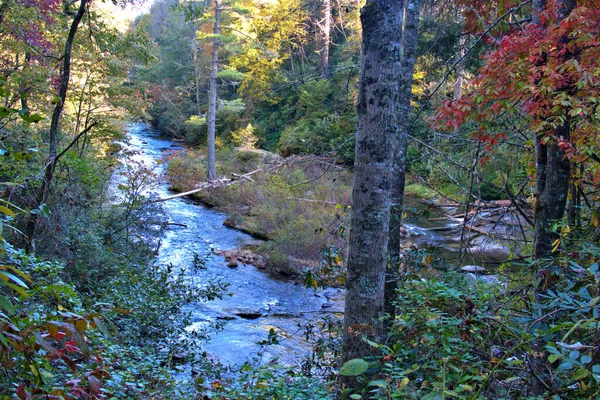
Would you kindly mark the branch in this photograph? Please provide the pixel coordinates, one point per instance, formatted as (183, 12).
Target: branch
(86, 130)
(463, 56)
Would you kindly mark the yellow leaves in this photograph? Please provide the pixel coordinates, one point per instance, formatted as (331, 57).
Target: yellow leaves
(555, 245)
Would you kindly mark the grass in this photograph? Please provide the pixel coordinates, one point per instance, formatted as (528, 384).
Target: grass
(299, 205)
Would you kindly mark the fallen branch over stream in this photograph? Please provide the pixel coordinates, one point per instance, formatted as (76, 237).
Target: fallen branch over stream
(235, 178)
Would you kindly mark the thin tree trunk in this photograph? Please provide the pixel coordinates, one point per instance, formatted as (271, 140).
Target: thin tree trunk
(377, 116)
(53, 132)
(326, 38)
(212, 96)
(196, 73)
(409, 44)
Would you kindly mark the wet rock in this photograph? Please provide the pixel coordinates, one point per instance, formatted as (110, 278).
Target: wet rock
(248, 314)
(473, 269)
(226, 317)
(236, 256)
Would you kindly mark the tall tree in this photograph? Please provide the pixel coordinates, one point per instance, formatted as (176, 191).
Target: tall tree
(541, 69)
(53, 132)
(409, 49)
(212, 95)
(378, 118)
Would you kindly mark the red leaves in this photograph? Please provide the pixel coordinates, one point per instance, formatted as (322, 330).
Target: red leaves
(546, 73)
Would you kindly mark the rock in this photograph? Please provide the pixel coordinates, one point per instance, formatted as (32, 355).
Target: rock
(473, 269)
(236, 256)
(492, 280)
(226, 317)
(248, 314)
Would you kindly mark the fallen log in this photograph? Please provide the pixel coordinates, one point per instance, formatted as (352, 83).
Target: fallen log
(209, 184)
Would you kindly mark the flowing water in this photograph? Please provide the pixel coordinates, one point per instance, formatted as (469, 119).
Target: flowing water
(265, 302)
(272, 304)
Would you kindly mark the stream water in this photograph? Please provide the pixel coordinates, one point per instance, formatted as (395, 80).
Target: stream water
(267, 303)
(272, 304)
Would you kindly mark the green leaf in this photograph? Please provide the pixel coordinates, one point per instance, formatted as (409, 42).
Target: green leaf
(579, 374)
(7, 305)
(403, 383)
(33, 118)
(6, 276)
(379, 383)
(355, 396)
(585, 359)
(5, 112)
(553, 357)
(354, 367)
(17, 289)
(7, 211)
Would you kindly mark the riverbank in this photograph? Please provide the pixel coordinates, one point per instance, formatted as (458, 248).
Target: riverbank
(298, 206)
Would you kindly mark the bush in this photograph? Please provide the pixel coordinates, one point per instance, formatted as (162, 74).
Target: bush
(535, 339)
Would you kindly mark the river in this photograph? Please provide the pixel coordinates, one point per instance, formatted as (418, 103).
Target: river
(280, 305)
(263, 302)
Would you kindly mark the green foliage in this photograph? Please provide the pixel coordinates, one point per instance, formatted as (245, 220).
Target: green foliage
(471, 340)
(273, 381)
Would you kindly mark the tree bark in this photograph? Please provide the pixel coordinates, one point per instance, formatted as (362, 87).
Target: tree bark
(212, 95)
(409, 44)
(377, 116)
(53, 132)
(553, 169)
(326, 38)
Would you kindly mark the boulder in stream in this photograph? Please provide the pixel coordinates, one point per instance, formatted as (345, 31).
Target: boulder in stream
(235, 257)
(246, 313)
(473, 269)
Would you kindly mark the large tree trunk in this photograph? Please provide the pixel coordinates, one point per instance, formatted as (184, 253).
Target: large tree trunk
(53, 132)
(409, 44)
(377, 115)
(212, 95)
(553, 169)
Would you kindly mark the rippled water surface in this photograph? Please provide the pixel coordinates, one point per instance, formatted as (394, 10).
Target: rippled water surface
(195, 229)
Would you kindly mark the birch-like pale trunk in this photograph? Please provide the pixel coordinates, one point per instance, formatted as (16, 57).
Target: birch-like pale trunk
(212, 95)
(326, 38)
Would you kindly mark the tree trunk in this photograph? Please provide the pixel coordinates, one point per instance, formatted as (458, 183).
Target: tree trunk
(409, 44)
(553, 169)
(326, 38)
(53, 132)
(377, 116)
(212, 95)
